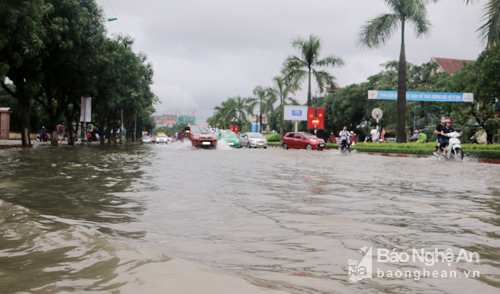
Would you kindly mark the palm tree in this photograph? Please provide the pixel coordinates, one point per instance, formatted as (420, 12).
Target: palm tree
(282, 89)
(376, 32)
(304, 66)
(238, 107)
(233, 108)
(489, 32)
(261, 98)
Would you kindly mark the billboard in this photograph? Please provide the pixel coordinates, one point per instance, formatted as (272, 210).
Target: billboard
(423, 96)
(295, 113)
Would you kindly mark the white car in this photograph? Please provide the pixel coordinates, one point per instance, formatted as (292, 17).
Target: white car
(146, 139)
(162, 139)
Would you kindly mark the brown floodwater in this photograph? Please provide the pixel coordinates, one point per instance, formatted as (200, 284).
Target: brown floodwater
(170, 219)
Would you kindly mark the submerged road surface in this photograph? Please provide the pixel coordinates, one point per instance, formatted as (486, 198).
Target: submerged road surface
(169, 219)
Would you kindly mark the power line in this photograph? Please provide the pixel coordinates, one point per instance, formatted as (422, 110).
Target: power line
(115, 15)
(111, 26)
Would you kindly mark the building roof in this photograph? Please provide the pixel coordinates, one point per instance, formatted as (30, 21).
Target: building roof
(449, 65)
(329, 89)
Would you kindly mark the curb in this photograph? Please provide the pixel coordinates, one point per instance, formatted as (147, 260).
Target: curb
(397, 155)
(481, 160)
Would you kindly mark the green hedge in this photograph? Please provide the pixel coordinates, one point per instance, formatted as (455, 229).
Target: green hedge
(272, 137)
(328, 145)
(486, 154)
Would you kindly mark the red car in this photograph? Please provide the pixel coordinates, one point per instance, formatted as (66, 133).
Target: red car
(302, 140)
(199, 136)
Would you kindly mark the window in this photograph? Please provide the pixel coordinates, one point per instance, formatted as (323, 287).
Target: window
(290, 135)
(310, 136)
(298, 136)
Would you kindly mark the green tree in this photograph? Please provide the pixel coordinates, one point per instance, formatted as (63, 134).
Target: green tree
(481, 78)
(22, 40)
(376, 32)
(282, 89)
(262, 96)
(305, 65)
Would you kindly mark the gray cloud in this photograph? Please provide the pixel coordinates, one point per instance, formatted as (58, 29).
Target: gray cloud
(205, 51)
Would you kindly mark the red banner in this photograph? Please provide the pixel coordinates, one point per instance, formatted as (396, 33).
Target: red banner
(312, 119)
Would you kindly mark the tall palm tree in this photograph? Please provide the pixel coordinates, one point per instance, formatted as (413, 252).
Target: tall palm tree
(238, 107)
(376, 32)
(304, 66)
(233, 108)
(261, 98)
(282, 89)
(489, 32)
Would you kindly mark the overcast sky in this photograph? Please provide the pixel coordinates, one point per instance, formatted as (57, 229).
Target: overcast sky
(205, 51)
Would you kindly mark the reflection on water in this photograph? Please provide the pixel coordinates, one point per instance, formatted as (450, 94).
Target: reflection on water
(154, 217)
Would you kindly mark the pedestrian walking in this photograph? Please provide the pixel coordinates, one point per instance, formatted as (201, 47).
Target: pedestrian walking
(375, 135)
(60, 132)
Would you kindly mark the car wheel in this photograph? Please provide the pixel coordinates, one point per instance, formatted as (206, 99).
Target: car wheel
(285, 146)
(309, 147)
(265, 147)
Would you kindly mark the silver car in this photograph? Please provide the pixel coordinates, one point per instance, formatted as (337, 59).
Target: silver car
(146, 139)
(162, 139)
(255, 140)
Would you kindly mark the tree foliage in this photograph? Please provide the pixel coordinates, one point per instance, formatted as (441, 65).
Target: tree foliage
(56, 51)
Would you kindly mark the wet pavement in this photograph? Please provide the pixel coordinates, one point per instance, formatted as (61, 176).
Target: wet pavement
(170, 219)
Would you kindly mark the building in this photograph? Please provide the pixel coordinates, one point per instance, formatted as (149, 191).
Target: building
(187, 119)
(449, 65)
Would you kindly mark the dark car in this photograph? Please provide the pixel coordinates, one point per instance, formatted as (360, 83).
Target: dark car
(302, 140)
(199, 136)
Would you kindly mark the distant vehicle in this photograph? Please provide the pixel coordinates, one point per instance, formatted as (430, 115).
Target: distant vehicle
(199, 136)
(252, 139)
(162, 139)
(302, 140)
(146, 139)
(231, 139)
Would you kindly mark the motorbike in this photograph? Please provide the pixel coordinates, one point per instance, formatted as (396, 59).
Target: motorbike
(344, 147)
(46, 139)
(454, 148)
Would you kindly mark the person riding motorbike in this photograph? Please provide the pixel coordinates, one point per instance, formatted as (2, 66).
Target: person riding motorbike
(345, 141)
(439, 129)
(445, 139)
(44, 135)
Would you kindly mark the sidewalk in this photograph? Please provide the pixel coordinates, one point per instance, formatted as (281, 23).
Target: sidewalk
(18, 143)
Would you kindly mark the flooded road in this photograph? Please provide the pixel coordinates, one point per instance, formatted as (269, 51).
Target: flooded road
(169, 219)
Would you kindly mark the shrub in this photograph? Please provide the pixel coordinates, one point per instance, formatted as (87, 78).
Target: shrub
(273, 137)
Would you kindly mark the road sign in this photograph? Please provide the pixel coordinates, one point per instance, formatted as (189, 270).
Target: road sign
(315, 121)
(377, 113)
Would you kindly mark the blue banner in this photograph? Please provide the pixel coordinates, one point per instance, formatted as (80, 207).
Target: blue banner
(423, 96)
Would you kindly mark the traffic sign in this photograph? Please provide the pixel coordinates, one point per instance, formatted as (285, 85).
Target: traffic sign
(377, 113)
